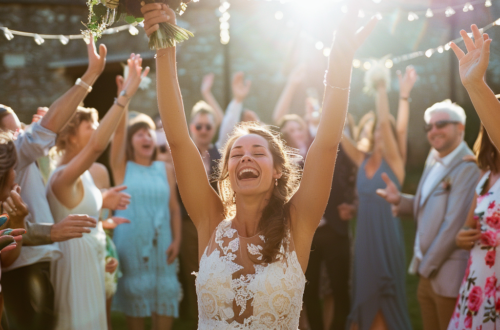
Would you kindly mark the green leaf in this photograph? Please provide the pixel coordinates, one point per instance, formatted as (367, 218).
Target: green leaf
(140, 19)
(130, 19)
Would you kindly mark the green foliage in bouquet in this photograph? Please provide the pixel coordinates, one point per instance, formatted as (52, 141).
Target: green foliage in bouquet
(103, 13)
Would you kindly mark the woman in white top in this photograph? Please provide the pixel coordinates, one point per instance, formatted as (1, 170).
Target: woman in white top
(78, 277)
(254, 240)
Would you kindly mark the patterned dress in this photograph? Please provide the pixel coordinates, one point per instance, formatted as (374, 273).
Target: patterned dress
(478, 303)
(236, 290)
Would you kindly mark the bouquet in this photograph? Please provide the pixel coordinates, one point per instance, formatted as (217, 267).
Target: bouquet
(377, 74)
(103, 13)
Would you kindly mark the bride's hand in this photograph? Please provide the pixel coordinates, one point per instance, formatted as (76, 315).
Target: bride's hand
(154, 14)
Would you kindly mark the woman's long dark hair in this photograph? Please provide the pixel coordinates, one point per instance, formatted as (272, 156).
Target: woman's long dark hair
(486, 152)
(274, 223)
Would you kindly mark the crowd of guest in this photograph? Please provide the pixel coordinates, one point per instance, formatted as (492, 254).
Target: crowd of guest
(74, 247)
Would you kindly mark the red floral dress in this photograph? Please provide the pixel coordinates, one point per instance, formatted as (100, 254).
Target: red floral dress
(478, 303)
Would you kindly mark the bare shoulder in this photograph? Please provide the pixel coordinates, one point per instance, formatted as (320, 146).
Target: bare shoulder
(100, 175)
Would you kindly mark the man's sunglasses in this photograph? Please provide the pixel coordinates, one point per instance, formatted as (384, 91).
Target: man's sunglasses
(199, 127)
(440, 124)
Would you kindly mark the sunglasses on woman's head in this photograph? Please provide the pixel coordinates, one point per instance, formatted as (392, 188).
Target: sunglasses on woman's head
(199, 127)
(440, 124)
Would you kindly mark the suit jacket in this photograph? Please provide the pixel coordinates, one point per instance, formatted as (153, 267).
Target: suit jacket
(343, 191)
(440, 216)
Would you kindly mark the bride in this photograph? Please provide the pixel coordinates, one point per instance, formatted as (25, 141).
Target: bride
(254, 239)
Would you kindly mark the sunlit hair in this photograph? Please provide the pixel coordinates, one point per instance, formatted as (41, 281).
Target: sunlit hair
(296, 118)
(455, 111)
(8, 156)
(486, 152)
(202, 108)
(82, 114)
(274, 224)
(138, 123)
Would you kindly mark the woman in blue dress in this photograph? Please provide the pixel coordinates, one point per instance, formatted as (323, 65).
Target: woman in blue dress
(379, 297)
(149, 245)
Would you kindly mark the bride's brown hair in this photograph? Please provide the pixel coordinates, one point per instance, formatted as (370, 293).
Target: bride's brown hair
(274, 223)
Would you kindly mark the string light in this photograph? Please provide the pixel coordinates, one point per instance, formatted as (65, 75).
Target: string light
(39, 40)
(389, 63)
(8, 35)
(319, 45)
(440, 49)
(429, 13)
(327, 51)
(356, 63)
(64, 39)
(279, 15)
(449, 12)
(367, 65)
(468, 7)
(224, 22)
(412, 16)
(361, 14)
(133, 30)
(487, 3)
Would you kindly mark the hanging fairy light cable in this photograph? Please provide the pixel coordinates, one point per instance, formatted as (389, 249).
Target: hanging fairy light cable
(224, 21)
(64, 39)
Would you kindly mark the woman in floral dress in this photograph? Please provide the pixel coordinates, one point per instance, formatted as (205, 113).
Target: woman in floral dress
(478, 303)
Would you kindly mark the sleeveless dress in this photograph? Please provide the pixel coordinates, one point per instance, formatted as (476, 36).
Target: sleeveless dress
(78, 277)
(148, 284)
(236, 290)
(379, 257)
(478, 303)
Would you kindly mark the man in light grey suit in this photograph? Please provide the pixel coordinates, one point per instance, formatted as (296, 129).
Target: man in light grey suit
(440, 207)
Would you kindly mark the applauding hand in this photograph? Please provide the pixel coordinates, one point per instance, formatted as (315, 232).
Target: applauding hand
(240, 87)
(473, 65)
(15, 207)
(115, 199)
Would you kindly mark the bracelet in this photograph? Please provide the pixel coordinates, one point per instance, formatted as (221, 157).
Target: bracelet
(334, 87)
(406, 99)
(83, 84)
(118, 103)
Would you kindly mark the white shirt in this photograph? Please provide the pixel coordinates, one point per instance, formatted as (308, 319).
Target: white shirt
(231, 119)
(32, 144)
(439, 165)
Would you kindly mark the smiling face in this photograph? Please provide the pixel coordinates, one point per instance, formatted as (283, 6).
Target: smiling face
(251, 166)
(143, 143)
(202, 129)
(446, 138)
(296, 132)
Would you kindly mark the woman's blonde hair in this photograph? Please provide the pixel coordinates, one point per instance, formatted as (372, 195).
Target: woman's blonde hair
(82, 114)
(274, 223)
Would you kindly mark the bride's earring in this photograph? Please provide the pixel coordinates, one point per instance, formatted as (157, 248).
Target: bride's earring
(234, 197)
(276, 183)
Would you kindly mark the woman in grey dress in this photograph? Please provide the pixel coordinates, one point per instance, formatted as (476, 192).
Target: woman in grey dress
(379, 300)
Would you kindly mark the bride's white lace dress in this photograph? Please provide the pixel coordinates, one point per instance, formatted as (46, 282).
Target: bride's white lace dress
(236, 290)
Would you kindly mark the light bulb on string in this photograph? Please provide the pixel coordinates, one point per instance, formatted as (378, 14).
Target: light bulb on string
(367, 66)
(8, 35)
(39, 40)
(487, 3)
(388, 63)
(279, 15)
(449, 12)
(327, 51)
(447, 46)
(378, 15)
(412, 16)
(319, 45)
(440, 49)
(133, 30)
(224, 26)
(429, 13)
(356, 63)
(361, 14)
(63, 39)
(429, 52)
(468, 7)
(497, 22)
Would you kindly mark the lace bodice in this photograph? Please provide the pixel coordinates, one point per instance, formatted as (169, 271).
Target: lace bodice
(236, 290)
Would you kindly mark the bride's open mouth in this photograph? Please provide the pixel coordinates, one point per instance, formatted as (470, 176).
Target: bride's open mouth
(248, 173)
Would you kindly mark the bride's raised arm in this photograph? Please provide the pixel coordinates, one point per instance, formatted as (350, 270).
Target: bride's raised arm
(310, 200)
(201, 201)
